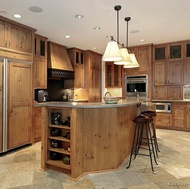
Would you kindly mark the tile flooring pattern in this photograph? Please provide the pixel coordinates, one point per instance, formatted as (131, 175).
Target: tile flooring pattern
(20, 169)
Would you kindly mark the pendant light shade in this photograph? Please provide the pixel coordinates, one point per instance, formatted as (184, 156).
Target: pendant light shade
(126, 57)
(112, 52)
(133, 63)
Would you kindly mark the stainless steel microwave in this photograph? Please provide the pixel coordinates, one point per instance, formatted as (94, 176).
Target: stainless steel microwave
(164, 107)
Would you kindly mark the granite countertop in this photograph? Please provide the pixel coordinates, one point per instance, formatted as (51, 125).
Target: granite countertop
(185, 100)
(121, 103)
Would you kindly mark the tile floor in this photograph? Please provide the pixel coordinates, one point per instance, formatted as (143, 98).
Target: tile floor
(20, 169)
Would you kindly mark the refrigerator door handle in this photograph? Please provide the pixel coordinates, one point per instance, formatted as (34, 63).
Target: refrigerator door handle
(5, 87)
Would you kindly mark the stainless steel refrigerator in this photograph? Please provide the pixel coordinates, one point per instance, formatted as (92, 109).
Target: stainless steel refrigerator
(5, 85)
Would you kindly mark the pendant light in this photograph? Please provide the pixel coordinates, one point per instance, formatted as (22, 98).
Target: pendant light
(112, 52)
(124, 51)
(133, 63)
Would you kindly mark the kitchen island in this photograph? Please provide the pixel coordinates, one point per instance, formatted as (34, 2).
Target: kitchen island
(93, 137)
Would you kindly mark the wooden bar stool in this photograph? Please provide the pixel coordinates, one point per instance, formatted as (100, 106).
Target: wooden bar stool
(152, 114)
(142, 125)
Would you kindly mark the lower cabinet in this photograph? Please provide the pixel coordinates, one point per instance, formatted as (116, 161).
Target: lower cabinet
(179, 119)
(163, 120)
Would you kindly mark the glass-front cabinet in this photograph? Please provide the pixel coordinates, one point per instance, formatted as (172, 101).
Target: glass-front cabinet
(169, 51)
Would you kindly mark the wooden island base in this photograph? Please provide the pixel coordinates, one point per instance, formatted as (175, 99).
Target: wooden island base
(100, 138)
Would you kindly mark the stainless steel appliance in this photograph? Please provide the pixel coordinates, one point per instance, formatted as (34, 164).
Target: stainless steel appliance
(164, 107)
(41, 95)
(137, 86)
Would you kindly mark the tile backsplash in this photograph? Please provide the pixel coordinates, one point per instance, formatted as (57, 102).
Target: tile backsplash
(115, 91)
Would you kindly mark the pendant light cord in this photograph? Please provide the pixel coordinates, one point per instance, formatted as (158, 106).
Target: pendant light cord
(127, 19)
(117, 8)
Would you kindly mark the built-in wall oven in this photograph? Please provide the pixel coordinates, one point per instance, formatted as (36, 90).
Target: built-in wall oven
(137, 86)
(163, 107)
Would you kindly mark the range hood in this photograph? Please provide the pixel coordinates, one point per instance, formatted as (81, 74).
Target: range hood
(59, 64)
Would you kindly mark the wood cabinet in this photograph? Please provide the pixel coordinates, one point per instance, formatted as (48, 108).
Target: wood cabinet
(168, 51)
(186, 71)
(37, 124)
(187, 49)
(58, 142)
(175, 73)
(160, 73)
(188, 117)
(179, 114)
(20, 104)
(15, 37)
(93, 75)
(163, 120)
(77, 59)
(40, 62)
(113, 76)
(144, 57)
(167, 92)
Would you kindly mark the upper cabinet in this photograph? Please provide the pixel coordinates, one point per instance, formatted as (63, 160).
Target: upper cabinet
(40, 62)
(77, 59)
(113, 75)
(169, 51)
(92, 75)
(15, 37)
(40, 46)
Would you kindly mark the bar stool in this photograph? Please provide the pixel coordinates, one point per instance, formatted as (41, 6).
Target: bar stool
(142, 125)
(154, 137)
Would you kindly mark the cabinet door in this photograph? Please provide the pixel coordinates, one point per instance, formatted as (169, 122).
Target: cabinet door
(20, 39)
(175, 72)
(163, 120)
(79, 76)
(19, 107)
(159, 73)
(113, 75)
(3, 34)
(159, 92)
(160, 52)
(186, 71)
(187, 49)
(174, 93)
(40, 46)
(175, 51)
(40, 73)
(188, 117)
(179, 114)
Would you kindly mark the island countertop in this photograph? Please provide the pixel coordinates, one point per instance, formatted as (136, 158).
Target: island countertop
(121, 103)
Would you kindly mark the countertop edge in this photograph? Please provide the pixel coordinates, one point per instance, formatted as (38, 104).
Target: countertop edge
(121, 103)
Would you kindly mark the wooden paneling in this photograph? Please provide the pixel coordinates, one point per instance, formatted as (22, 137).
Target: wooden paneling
(58, 57)
(97, 134)
(19, 107)
(37, 124)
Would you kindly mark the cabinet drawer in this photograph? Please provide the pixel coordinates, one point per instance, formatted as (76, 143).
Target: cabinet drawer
(164, 120)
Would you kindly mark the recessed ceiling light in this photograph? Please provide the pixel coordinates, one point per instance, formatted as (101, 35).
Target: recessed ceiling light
(134, 31)
(79, 16)
(17, 16)
(67, 36)
(141, 40)
(96, 28)
(94, 48)
(35, 9)
(3, 12)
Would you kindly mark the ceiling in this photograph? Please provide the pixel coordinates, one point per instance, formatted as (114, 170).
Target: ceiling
(155, 21)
